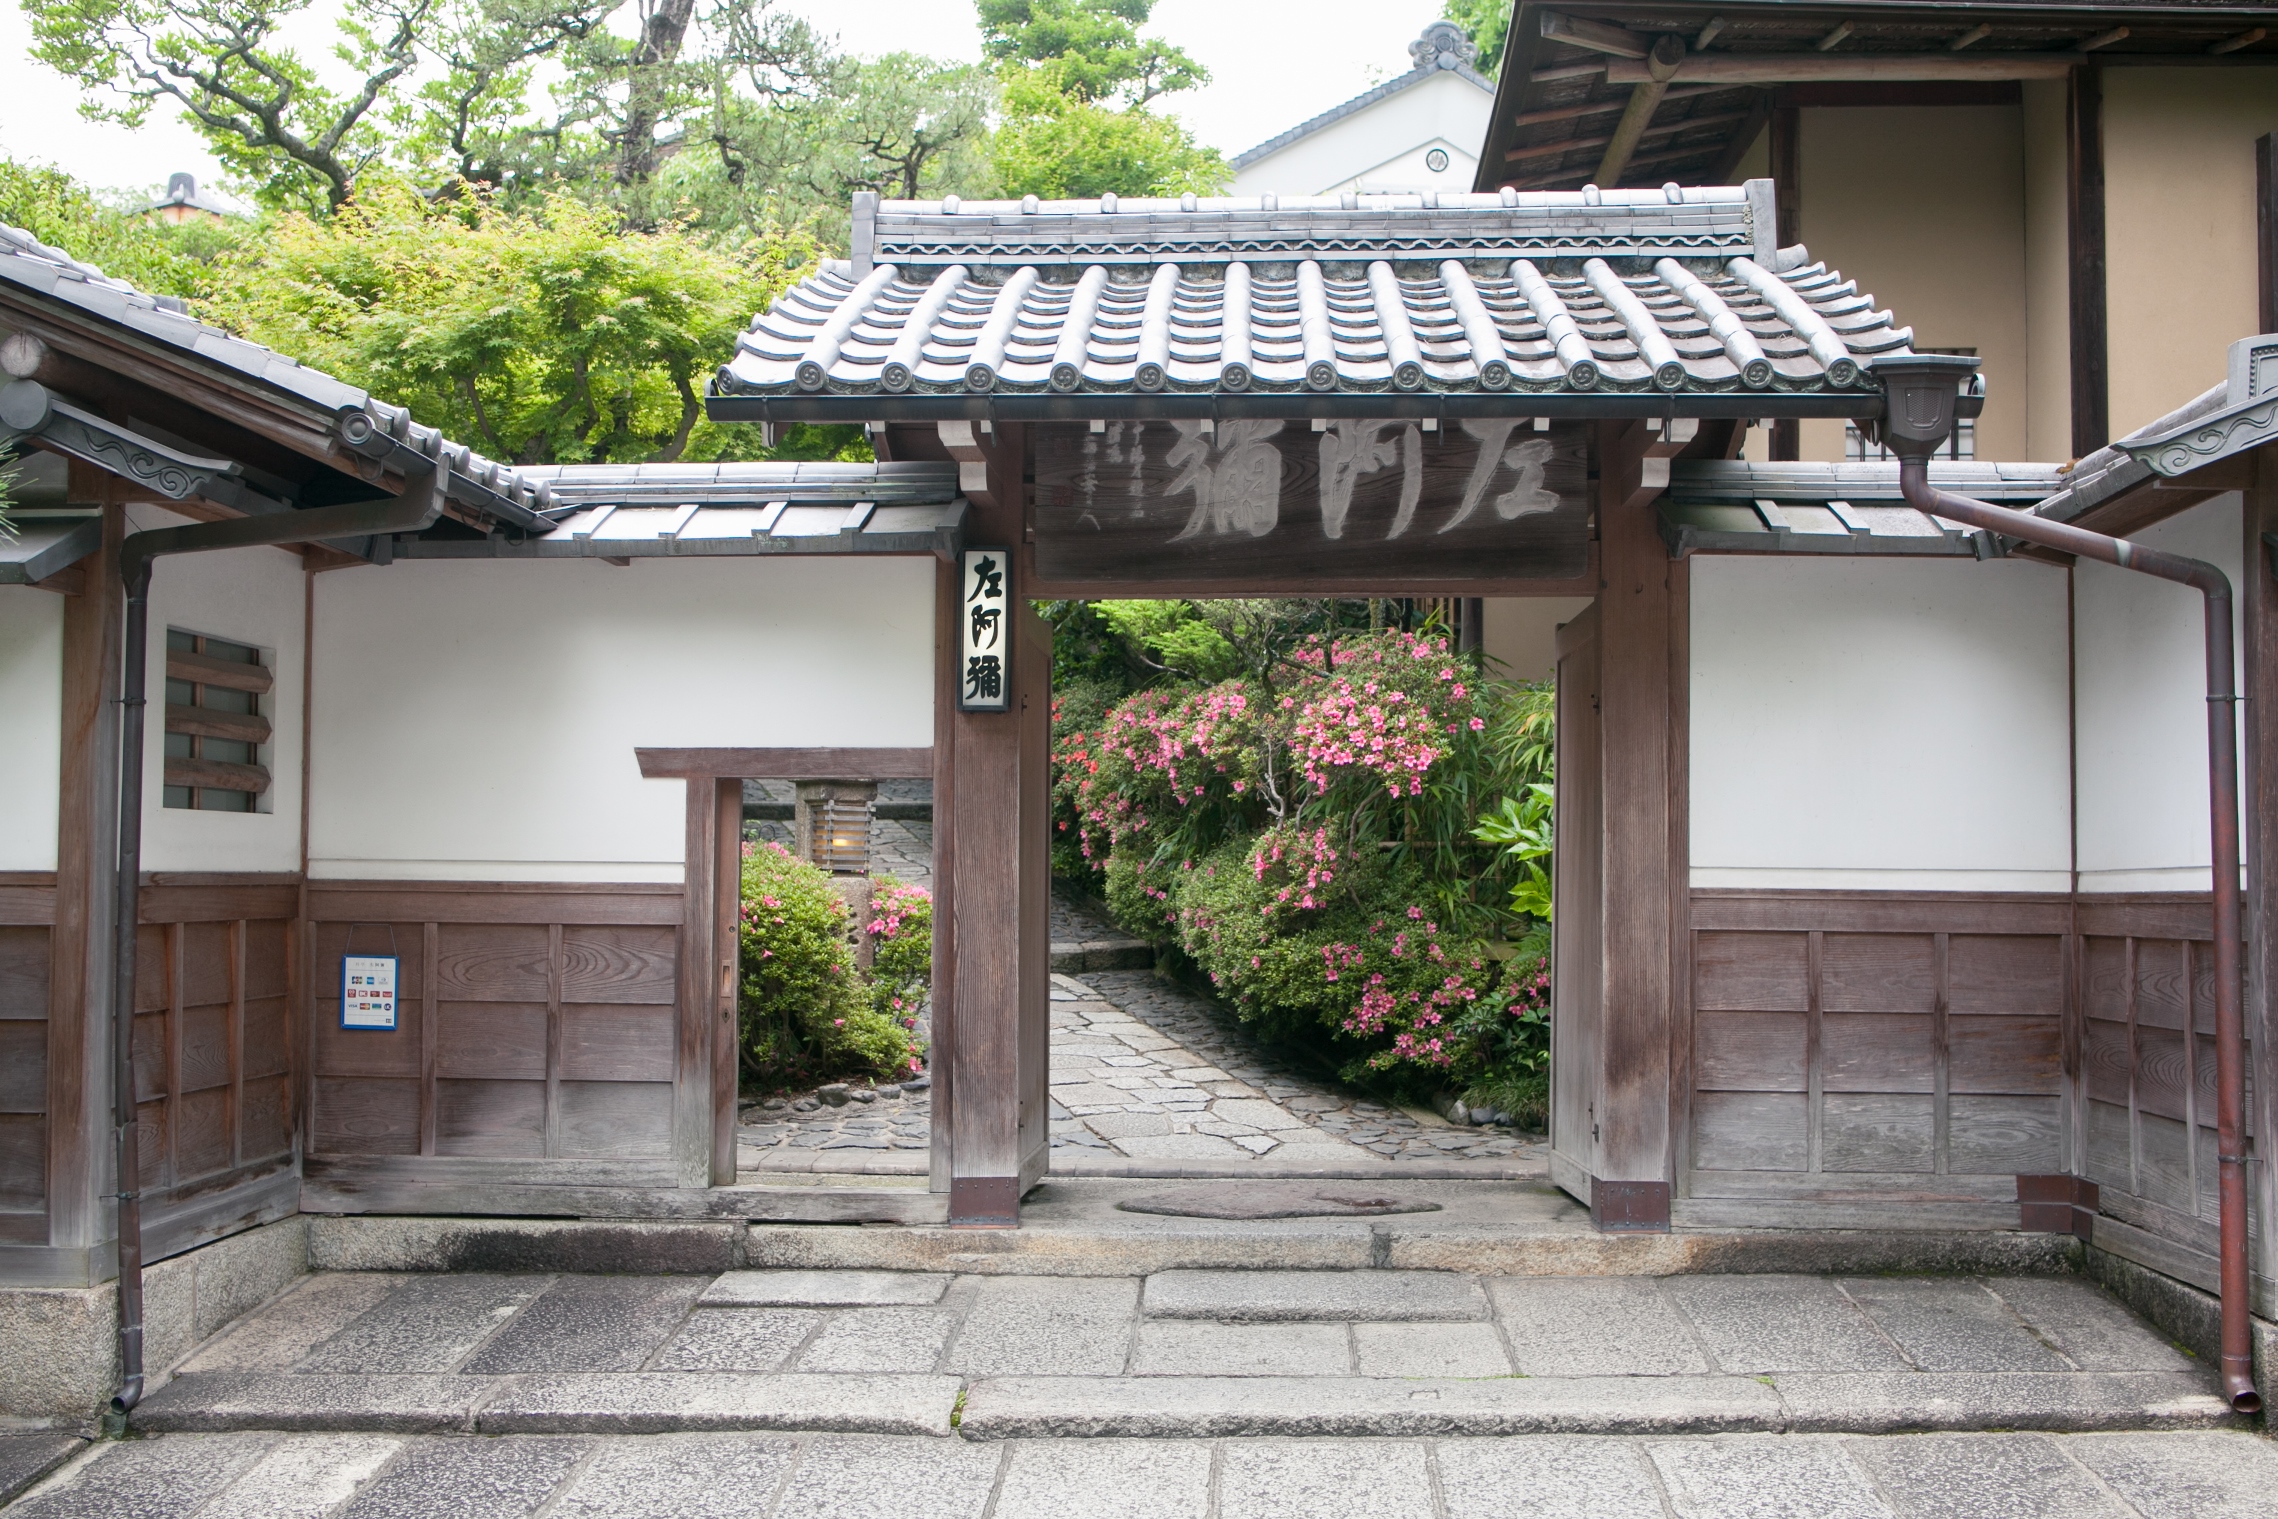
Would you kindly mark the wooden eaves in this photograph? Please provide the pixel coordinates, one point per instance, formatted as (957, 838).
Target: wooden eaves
(1572, 71)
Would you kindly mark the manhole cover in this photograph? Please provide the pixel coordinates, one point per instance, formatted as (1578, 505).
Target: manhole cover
(1272, 1200)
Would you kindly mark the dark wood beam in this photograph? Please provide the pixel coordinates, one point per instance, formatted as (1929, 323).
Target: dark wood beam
(1922, 92)
(2266, 232)
(79, 954)
(2084, 225)
(1637, 117)
(1787, 200)
(1799, 68)
(1637, 886)
(1603, 139)
(788, 764)
(1615, 41)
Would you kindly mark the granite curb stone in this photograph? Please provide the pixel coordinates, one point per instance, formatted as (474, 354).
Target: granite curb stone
(1003, 1408)
(233, 1400)
(1874, 1403)
(654, 1402)
(26, 1458)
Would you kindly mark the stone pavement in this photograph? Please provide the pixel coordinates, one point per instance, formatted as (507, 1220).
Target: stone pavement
(1212, 1393)
(1150, 1078)
(1181, 1353)
(764, 1476)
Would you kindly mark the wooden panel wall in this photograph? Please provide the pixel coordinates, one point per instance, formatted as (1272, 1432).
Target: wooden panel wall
(1851, 1042)
(2148, 1052)
(538, 1025)
(27, 915)
(213, 1035)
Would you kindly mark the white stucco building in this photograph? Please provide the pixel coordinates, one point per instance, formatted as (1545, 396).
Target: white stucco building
(1419, 131)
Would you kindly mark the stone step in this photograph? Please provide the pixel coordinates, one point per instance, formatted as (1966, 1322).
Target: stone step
(1180, 1407)
(1189, 1407)
(1073, 959)
(2156, 1474)
(639, 1402)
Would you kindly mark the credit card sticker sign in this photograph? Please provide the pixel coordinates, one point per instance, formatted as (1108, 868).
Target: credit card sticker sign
(367, 991)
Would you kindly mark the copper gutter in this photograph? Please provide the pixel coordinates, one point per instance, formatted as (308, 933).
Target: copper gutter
(416, 509)
(1919, 413)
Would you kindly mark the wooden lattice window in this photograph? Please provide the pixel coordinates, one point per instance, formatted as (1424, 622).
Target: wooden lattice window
(216, 731)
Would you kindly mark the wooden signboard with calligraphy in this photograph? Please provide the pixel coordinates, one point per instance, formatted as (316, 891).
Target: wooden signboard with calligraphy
(1276, 506)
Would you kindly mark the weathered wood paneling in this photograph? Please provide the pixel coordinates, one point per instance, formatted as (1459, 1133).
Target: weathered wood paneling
(2147, 1016)
(214, 1038)
(539, 1029)
(24, 948)
(1884, 1038)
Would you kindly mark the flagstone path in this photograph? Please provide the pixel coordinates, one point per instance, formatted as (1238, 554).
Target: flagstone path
(1147, 1077)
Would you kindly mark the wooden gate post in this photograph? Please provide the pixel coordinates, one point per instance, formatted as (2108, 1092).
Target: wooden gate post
(1631, 1177)
(992, 869)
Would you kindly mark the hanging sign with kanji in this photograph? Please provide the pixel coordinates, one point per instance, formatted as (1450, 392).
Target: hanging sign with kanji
(984, 632)
(1263, 502)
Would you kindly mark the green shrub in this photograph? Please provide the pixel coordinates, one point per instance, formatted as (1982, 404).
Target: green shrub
(1335, 947)
(805, 1010)
(1350, 840)
(901, 954)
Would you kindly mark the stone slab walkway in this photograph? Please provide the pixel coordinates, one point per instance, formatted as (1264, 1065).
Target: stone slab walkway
(761, 1476)
(1181, 1354)
(1150, 1078)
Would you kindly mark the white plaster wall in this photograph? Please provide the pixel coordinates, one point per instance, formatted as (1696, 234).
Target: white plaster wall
(2141, 669)
(477, 721)
(251, 596)
(31, 726)
(1842, 707)
(1383, 147)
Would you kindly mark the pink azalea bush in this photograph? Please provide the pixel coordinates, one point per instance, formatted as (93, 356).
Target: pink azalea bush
(901, 955)
(804, 1007)
(1308, 848)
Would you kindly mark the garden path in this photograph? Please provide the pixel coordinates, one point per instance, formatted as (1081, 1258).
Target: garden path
(1148, 1078)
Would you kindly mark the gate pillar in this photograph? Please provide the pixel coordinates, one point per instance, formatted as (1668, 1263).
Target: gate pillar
(992, 873)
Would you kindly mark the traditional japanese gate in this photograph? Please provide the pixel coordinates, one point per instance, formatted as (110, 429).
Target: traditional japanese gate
(1454, 395)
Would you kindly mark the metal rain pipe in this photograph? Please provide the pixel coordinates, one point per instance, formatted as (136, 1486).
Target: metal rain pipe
(1920, 393)
(417, 508)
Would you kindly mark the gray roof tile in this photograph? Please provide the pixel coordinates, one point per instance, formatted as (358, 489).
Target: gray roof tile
(1582, 291)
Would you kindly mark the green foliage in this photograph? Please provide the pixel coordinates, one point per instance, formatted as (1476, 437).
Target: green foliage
(1171, 638)
(901, 949)
(1061, 146)
(260, 106)
(149, 254)
(1485, 22)
(804, 1008)
(904, 126)
(1089, 50)
(1522, 825)
(545, 334)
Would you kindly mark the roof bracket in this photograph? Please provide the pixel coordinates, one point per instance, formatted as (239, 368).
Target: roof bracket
(29, 409)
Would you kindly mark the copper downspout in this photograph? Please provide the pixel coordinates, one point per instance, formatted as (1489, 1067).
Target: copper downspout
(415, 510)
(1921, 392)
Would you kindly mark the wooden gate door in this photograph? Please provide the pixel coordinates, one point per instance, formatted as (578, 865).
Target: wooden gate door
(1577, 931)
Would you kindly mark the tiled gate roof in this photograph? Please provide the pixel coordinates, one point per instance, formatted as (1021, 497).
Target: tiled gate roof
(1653, 292)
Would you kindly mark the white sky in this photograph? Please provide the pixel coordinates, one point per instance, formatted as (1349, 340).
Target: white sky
(1275, 63)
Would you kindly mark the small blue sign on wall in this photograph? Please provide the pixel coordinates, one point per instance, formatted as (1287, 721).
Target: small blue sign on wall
(368, 992)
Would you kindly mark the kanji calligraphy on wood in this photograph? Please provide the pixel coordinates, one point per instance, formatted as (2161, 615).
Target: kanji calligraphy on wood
(984, 631)
(1475, 498)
